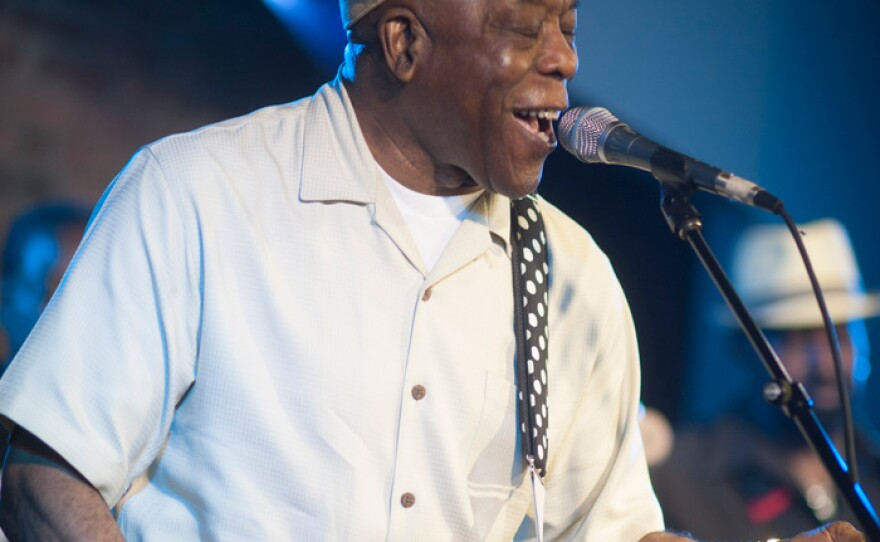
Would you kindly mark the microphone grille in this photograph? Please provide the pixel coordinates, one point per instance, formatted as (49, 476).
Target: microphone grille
(580, 128)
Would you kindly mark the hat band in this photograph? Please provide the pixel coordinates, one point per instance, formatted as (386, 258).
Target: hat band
(760, 302)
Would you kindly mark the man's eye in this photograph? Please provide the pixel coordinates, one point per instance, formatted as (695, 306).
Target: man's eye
(532, 31)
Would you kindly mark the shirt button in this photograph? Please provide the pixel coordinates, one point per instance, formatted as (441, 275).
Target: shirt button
(427, 294)
(407, 500)
(418, 392)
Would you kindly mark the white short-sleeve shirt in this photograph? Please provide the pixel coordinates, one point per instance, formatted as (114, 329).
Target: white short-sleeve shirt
(247, 326)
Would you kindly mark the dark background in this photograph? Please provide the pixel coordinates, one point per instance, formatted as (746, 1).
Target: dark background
(781, 92)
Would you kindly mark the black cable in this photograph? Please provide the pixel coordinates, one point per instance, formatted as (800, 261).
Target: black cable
(842, 380)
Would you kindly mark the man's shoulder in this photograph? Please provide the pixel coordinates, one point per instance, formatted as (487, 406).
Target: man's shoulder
(569, 241)
(267, 131)
(264, 147)
(263, 129)
(564, 226)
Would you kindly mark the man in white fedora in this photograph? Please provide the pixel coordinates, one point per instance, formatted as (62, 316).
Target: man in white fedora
(751, 473)
(299, 324)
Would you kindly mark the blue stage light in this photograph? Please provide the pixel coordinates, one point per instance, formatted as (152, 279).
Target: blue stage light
(316, 26)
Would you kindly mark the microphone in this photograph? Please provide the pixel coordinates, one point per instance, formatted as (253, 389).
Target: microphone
(595, 135)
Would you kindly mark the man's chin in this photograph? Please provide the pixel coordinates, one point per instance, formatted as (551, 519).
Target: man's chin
(789, 436)
(831, 419)
(517, 184)
(518, 194)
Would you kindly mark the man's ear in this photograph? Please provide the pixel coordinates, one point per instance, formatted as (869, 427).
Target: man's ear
(403, 40)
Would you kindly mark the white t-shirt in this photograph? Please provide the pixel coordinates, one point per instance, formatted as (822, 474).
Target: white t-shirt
(432, 220)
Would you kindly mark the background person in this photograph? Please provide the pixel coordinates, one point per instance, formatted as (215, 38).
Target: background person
(37, 250)
(751, 474)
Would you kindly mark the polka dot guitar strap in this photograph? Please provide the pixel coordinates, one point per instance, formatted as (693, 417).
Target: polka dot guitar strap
(530, 295)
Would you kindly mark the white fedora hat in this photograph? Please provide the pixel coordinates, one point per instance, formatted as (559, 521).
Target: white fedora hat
(770, 276)
(354, 10)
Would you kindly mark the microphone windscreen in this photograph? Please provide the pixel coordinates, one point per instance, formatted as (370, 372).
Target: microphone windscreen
(580, 129)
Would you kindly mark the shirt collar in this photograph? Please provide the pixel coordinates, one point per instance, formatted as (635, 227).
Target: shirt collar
(495, 213)
(337, 164)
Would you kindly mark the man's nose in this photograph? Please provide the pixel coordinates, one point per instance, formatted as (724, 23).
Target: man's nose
(559, 56)
(822, 357)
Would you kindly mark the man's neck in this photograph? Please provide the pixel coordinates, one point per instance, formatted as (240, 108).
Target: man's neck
(395, 147)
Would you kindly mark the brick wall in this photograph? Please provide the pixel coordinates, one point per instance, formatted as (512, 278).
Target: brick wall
(84, 84)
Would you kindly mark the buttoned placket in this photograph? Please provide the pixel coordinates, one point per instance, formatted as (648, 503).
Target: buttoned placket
(473, 244)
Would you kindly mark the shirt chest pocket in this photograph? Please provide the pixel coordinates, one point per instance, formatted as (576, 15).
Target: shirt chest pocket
(495, 467)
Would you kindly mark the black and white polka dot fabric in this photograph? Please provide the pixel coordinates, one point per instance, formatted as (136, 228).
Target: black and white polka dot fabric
(530, 280)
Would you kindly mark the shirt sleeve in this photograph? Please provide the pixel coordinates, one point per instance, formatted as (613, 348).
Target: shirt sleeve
(623, 506)
(114, 351)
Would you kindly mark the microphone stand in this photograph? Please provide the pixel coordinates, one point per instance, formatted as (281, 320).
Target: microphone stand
(686, 223)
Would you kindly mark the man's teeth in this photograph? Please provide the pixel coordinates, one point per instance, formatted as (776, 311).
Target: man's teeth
(538, 121)
(547, 114)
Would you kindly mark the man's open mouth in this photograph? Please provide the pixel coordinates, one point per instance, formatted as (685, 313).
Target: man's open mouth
(539, 122)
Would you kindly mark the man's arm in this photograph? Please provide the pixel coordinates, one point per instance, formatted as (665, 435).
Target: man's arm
(44, 498)
(839, 531)
(664, 537)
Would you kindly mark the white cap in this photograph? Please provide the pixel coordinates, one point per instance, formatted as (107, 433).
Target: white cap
(770, 276)
(354, 10)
